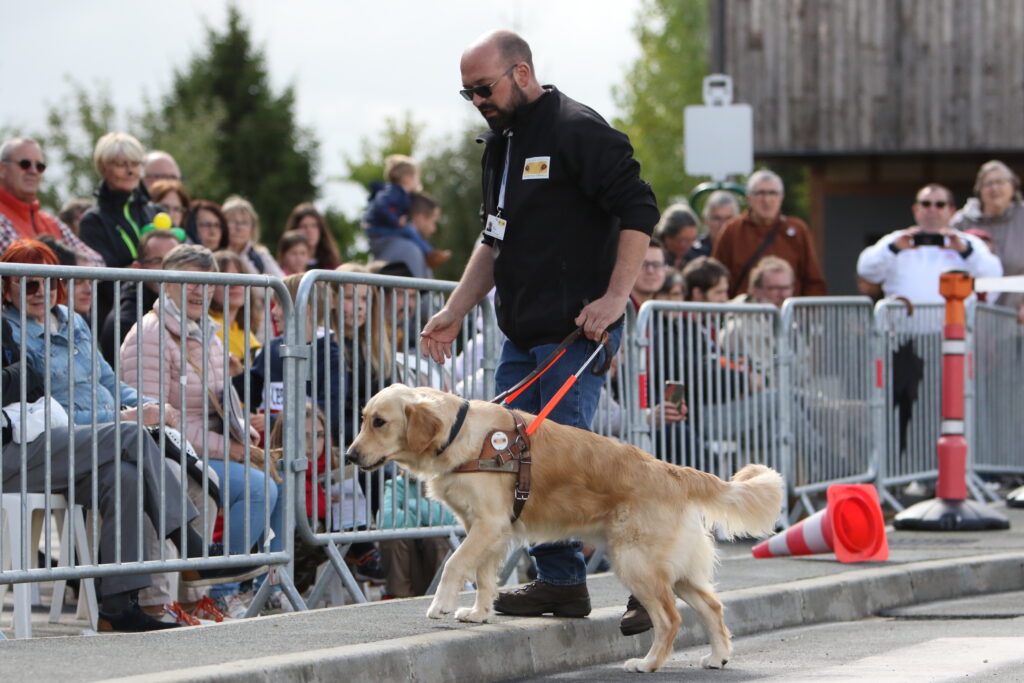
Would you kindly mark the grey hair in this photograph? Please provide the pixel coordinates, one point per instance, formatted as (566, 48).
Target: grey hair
(238, 203)
(717, 200)
(996, 165)
(194, 256)
(10, 144)
(762, 174)
(114, 145)
(674, 219)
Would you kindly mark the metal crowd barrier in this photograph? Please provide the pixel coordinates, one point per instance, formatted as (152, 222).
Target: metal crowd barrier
(827, 361)
(124, 466)
(372, 323)
(995, 431)
(910, 356)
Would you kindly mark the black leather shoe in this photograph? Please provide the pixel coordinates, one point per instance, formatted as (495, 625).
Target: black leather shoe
(636, 620)
(540, 597)
(131, 620)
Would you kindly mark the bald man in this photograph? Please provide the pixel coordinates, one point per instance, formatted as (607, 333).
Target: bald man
(568, 222)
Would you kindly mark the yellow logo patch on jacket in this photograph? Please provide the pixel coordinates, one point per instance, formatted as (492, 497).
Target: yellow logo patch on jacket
(537, 168)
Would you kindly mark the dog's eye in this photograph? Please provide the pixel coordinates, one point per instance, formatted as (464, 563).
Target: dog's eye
(378, 423)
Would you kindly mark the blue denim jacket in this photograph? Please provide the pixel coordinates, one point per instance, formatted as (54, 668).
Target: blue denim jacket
(84, 352)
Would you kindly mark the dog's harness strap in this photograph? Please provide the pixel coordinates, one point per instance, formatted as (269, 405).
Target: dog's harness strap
(460, 418)
(508, 453)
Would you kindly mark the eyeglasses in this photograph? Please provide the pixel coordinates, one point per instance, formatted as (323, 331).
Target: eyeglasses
(653, 265)
(484, 91)
(171, 209)
(987, 183)
(125, 163)
(31, 287)
(766, 193)
(208, 225)
(26, 164)
(927, 204)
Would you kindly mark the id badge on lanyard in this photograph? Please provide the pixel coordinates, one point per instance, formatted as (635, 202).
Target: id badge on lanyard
(495, 225)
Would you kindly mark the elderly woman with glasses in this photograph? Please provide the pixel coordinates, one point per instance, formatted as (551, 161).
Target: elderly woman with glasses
(997, 207)
(244, 235)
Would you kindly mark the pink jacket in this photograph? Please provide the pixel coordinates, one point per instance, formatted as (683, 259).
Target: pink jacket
(170, 389)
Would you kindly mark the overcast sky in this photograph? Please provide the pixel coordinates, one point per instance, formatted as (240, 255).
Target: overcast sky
(352, 63)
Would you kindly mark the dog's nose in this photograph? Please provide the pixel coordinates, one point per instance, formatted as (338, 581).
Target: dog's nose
(352, 456)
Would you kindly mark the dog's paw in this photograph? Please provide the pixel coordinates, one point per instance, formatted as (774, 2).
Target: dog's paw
(437, 610)
(713, 662)
(472, 615)
(638, 665)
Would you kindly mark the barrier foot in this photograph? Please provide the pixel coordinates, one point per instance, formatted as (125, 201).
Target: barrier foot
(1016, 498)
(939, 514)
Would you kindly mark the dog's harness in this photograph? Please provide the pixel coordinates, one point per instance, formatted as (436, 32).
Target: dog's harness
(505, 451)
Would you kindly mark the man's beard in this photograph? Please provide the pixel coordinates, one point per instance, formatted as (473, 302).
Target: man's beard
(505, 116)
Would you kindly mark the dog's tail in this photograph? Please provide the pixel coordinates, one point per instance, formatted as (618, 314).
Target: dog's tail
(748, 504)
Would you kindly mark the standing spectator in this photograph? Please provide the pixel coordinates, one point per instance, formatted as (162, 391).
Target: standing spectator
(651, 277)
(244, 235)
(720, 208)
(21, 172)
(311, 222)
(171, 197)
(563, 244)
(159, 165)
(293, 252)
(998, 208)
(70, 213)
(677, 233)
(904, 268)
(388, 212)
(762, 230)
(206, 225)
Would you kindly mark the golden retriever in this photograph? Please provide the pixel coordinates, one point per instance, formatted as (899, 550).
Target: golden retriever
(653, 517)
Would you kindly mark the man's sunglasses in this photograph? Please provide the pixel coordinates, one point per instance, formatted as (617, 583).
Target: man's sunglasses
(927, 204)
(25, 164)
(484, 91)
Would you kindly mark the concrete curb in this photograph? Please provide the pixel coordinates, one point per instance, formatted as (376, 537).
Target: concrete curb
(525, 647)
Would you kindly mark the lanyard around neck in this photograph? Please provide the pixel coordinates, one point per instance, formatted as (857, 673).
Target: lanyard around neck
(138, 235)
(504, 173)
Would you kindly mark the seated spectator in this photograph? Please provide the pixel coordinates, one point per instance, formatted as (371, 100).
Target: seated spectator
(772, 281)
(293, 252)
(229, 313)
(677, 232)
(68, 256)
(325, 253)
(706, 280)
(762, 230)
(71, 212)
(651, 277)
(672, 289)
(388, 212)
(21, 173)
(206, 225)
(210, 409)
(720, 207)
(171, 197)
(152, 249)
(244, 235)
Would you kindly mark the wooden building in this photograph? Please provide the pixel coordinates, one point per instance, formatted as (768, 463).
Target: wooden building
(877, 98)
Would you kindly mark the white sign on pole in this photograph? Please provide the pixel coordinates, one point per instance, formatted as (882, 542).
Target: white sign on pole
(719, 139)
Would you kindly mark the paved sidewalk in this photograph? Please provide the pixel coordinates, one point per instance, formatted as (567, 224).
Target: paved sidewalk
(393, 640)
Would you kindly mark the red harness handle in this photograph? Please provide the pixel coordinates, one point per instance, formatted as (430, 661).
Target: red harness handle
(562, 390)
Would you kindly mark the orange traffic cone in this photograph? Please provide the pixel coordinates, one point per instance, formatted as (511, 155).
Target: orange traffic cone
(851, 526)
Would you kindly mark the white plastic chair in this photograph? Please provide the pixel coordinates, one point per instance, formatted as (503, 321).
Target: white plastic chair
(11, 526)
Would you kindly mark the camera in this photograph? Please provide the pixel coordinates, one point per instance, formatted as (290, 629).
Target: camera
(929, 239)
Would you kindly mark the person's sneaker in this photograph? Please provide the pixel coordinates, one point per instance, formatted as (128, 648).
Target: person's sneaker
(636, 619)
(179, 614)
(194, 578)
(370, 568)
(540, 597)
(131, 620)
(206, 609)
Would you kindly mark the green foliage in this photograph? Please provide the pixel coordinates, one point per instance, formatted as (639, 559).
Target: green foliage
(400, 136)
(673, 39)
(223, 103)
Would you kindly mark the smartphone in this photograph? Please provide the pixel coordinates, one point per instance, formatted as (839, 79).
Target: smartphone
(929, 239)
(675, 392)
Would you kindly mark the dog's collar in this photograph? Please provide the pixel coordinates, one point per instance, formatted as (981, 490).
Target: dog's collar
(459, 420)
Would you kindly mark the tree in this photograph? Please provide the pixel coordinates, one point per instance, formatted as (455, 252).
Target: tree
(400, 136)
(258, 149)
(668, 75)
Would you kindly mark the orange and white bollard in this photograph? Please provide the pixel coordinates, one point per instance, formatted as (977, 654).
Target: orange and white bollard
(950, 510)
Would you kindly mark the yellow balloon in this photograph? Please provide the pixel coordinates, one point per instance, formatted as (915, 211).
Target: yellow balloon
(162, 221)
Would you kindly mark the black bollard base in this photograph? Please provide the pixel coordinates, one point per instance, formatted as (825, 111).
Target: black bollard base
(1016, 498)
(939, 514)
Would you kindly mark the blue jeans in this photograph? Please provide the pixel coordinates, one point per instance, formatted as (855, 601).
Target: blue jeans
(558, 563)
(258, 503)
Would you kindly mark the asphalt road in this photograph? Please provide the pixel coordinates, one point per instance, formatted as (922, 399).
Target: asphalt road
(979, 638)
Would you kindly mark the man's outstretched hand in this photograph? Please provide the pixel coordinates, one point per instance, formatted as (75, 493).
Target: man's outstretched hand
(438, 334)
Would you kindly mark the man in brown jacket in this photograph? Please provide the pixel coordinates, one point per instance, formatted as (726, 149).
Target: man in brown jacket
(761, 231)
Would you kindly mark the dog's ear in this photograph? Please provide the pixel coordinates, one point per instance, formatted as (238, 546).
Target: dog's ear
(423, 426)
